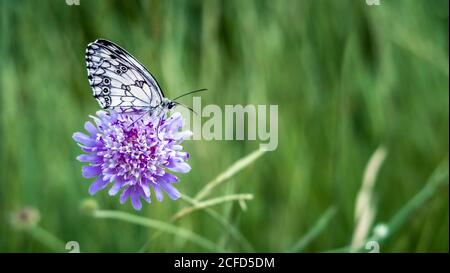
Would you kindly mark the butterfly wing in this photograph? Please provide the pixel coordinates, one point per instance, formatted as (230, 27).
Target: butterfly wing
(119, 81)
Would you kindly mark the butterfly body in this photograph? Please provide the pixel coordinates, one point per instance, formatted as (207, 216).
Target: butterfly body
(120, 83)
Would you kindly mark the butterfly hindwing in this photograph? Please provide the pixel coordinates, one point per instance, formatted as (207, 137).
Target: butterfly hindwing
(118, 80)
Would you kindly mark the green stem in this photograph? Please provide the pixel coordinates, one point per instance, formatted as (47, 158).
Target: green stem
(211, 202)
(232, 170)
(315, 231)
(46, 238)
(239, 237)
(219, 218)
(437, 179)
(159, 225)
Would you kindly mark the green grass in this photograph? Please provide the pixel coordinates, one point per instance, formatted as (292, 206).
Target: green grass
(347, 78)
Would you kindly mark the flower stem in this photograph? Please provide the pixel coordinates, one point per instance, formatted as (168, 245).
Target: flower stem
(219, 218)
(211, 202)
(46, 238)
(232, 230)
(159, 225)
(232, 170)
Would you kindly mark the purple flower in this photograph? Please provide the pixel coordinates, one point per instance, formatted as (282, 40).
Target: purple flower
(133, 154)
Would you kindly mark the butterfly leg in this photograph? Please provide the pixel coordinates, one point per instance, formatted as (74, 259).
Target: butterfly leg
(158, 116)
(141, 116)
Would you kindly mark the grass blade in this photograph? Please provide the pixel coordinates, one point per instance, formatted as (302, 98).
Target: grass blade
(46, 238)
(315, 231)
(219, 218)
(437, 179)
(232, 170)
(211, 202)
(233, 231)
(158, 225)
(364, 208)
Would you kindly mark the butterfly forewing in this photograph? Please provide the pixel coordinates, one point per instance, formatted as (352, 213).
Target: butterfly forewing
(119, 81)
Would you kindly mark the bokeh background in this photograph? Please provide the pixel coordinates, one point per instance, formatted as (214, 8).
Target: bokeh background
(348, 78)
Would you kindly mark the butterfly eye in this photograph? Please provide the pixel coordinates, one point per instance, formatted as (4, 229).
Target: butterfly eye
(123, 68)
(105, 90)
(118, 71)
(106, 80)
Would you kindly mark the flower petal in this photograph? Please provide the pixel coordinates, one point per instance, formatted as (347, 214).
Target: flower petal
(136, 199)
(146, 190)
(116, 187)
(84, 139)
(168, 178)
(91, 171)
(146, 198)
(180, 167)
(158, 193)
(90, 128)
(97, 121)
(125, 194)
(183, 135)
(183, 155)
(89, 158)
(173, 193)
(97, 185)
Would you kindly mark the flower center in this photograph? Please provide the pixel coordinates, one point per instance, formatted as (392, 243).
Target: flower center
(133, 153)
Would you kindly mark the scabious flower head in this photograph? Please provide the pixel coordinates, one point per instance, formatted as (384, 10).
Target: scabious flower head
(133, 154)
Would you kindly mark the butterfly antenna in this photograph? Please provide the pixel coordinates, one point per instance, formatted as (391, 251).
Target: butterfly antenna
(188, 93)
(157, 129)
(192, 110)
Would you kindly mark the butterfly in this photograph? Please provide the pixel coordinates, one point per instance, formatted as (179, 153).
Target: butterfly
(120, 83)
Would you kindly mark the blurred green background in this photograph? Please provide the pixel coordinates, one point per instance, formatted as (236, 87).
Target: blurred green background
(347, 77)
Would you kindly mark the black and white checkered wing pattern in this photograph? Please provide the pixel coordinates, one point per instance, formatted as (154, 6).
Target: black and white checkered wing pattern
(119, 82)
